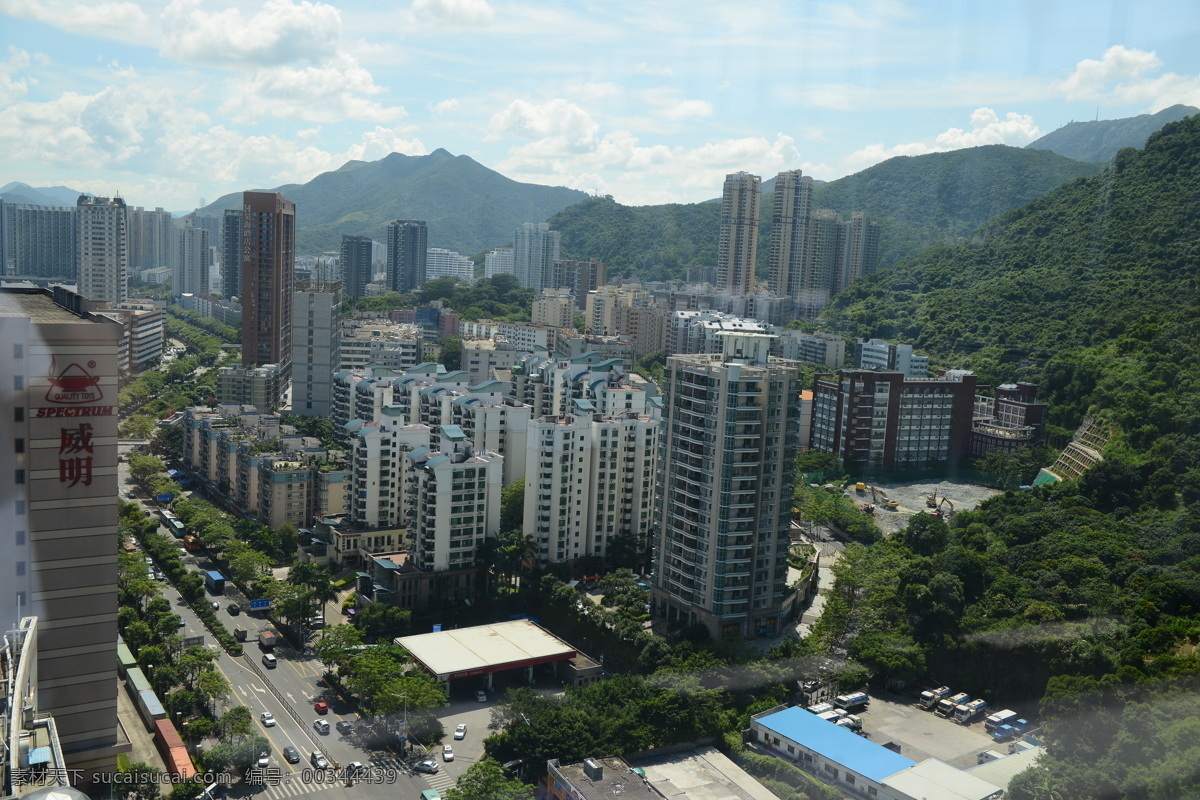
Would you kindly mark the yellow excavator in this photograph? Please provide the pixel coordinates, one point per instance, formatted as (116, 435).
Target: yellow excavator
(937, 512)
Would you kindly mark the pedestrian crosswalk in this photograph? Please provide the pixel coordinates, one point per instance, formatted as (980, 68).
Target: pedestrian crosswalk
(297, 784)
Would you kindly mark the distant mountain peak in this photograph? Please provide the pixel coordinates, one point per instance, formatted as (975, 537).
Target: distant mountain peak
(1100, 140)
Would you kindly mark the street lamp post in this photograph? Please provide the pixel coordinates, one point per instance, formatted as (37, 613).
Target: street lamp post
(404, 697)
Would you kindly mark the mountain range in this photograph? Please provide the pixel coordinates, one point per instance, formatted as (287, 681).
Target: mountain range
(1100, 140)
(19, 193)
(466, 206)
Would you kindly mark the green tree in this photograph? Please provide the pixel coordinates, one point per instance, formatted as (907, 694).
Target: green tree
(235, 725)
(512, 506)
(212, 686)
(383, 621)
(451, 352)
(144, 789)
(337, 645)
(485, 780)
(143, 468)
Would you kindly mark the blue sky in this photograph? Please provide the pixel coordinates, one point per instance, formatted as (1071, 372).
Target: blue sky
(169, 103)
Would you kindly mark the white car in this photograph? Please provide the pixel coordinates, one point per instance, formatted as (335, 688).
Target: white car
(317, 760)
(461, 731)
(267, 719)
(428, 766)
(481, 695)
(264, 760)
(447, 753)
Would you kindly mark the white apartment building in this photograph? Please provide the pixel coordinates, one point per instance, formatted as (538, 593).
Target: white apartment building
(193, 258)
(518, 334)
(316, 347)
(440, 263)
(600, 311)
(456, 504)
(101, 249)
(378, 451)
(547, 383)
(380, 343)
(704, 331)
(878, 354)
(535, 249)
(589, 479)
(554, 308)
(481, 357)
(498, 262)
(815, 348)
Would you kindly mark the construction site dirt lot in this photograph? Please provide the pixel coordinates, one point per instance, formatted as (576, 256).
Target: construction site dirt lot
(922, 734)
(913, 499)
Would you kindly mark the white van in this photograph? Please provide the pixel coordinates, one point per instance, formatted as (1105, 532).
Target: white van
(270, 660)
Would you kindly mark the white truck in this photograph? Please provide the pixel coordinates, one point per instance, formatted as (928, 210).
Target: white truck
(994, 721)
(931, 697)
(967, 712)
(946, 706)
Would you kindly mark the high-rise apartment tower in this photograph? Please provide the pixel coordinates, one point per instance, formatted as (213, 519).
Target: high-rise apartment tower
(101, 249)
(789, 231)
(268, 279)
(730, 433)
(737, 246)
(535, 249)
(407, 241)
(356, 263)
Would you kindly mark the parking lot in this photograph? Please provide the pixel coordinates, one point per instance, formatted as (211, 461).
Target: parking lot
(922, 734)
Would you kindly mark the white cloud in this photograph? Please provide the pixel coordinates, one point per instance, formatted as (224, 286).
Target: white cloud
(557, 125)
(688, 108)
(447, 106)
(122, 21)
(649, 69)
(10, 87)
(453, 13)
(280, 32)
(986, 128)
(872, 14)
(331, 92)
(1126, 76)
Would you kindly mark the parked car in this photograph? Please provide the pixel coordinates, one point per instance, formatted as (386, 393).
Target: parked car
(215, 605)
(181, 622)
(234, 609)
(461, 731)
(321, 707)
(321, 726)
(481, 695)
(428, 766)
(291, 755)
(318, 760)
(447, 753)
(267, 719)
(344, 726)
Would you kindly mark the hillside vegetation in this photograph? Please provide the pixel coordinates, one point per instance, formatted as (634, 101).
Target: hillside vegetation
(468, 207)
(1100, 140)
(919, 201)
(1093, 260)
(1076, 603)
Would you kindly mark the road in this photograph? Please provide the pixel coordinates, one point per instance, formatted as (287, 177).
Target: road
(289, 691)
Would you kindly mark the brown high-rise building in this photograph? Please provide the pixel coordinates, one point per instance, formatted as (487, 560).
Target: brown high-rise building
(268, 279)
(737, 248)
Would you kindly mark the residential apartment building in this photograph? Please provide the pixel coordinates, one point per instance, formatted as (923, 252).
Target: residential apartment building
(730, 432)
(152, 240)
(356, 260)
(569, 345)
(456, 501)
(498, 262)
(737, 246)
(231, 253)
(378, 451)
(535, 249)
(554, 308)
(316, 346)
(59, 510)
(646, 328)
(101, 249)
(860, 249)
(377, 342)
(589, 479)
(814, 348)
(407, 245)
(261, 387)
(268, 265)
(600, 308)
(1012, 419)
(482, 357)
(518, 334)
(144, 330)
(192, 261)
(883, 419)
(441, 263)
(704, 331)
(41, 241)
(789, 232)
(878, 354)
(579, 277)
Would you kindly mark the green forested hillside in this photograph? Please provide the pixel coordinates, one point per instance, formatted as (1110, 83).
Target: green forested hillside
(919, 201)
(1094, 259)
(1078, 604)
(1100, 140)
(467, 206)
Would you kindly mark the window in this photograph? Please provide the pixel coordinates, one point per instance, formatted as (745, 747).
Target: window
(871, 791)
(18, 351)
(19, 476)
(18, 382)
(18, 445)
(19, 507)
(18, 413)
(20, 537)
(20, 568)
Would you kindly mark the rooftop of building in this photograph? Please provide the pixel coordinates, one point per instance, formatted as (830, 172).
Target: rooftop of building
(704, 773)
(1001, 771)
(36, 305)
(598, 778)
(936, 780)
(486, 648)
(834, 743)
